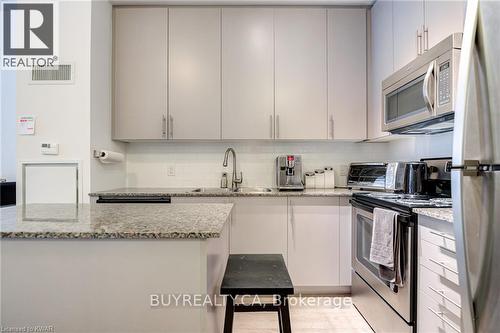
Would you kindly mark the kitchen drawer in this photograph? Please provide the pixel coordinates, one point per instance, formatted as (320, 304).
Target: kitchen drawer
(439, 260)
(439, 238)
(433, 317)
(440, 289)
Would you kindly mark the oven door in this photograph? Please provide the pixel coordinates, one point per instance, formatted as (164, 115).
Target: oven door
(399, 298)
(410, 100)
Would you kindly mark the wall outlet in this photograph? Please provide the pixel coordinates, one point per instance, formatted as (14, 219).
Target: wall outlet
(344, 170)
(171, 170)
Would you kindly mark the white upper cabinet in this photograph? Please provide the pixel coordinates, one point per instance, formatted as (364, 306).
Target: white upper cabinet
(442, 18)
(347, 74)
(194, 73)
(140, 73)
(247, 73)
(381, 65)
(408, 31)
(300, 73)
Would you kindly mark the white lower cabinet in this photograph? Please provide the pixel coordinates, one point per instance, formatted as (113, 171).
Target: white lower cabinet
(312, 233)
(439, 303)
(259, 226)
(314, 246)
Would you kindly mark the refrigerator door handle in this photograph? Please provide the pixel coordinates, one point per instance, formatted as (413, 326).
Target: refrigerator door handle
(474, 168)
(460, 224)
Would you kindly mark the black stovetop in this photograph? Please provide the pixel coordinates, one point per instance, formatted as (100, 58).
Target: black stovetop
(403, 201)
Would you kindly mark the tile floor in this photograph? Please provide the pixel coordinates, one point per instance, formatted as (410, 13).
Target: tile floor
(321, 315)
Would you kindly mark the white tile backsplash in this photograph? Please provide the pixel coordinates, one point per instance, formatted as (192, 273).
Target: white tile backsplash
(200, 164)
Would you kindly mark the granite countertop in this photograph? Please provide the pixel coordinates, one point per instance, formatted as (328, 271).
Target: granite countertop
(445, 214)
(188, 192)
(114, 221)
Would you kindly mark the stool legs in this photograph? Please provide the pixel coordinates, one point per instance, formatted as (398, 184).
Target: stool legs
(228, 321)
(284, 317)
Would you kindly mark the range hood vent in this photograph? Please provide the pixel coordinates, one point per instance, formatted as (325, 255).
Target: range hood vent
(432, 126)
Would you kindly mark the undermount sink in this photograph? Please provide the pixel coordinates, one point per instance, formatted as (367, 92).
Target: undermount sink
(211, 190)
(227, 190)
(253, 190)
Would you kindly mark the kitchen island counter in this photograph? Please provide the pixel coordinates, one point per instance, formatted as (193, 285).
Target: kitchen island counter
(75, 262)
(129, 221)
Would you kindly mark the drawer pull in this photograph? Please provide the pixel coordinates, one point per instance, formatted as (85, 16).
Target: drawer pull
(441, 316)
(441, 293)
(442, 264)
(443, 235)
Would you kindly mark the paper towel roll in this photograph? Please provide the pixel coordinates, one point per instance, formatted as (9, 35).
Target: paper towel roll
(107, 157)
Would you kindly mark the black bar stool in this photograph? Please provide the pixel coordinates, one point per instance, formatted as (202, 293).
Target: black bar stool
(257, 275)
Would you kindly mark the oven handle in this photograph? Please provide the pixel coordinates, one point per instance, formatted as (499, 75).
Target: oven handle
(367, 208)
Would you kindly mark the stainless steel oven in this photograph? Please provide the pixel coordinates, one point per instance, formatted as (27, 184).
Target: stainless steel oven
(387, 307)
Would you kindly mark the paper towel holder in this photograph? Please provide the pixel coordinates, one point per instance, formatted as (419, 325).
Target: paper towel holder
(97, 153)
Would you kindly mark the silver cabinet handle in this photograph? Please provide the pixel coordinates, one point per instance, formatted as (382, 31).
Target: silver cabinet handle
(441, 293)
(426, 38)
(171, 130)
(271, 126)
(442, 264)
(441, 316)
(164, 127)
(277, 127)
(443, 235)
(419, 43)
(331, 127)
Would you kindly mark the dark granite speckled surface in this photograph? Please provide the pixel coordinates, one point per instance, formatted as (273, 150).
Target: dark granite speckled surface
(114, 221)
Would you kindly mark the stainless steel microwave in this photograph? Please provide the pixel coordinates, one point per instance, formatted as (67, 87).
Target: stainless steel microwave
(420, 97)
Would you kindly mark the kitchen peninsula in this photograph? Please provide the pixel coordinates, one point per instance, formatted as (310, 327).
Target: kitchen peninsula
(112, 259)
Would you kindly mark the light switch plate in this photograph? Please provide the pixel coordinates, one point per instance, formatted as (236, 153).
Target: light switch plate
(49, 148)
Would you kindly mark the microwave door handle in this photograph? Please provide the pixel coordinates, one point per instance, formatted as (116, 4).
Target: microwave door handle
(429, 97)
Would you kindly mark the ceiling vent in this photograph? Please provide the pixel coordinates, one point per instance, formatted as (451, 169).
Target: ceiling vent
(59, 74)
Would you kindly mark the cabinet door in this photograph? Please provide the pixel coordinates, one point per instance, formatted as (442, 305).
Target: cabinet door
(347, 74)
(313, 241)
(259, 226)
(408, 19)
(381, 65)
(140, 73)
(247, 73)
(194, 73)
(442, 18)
(300, 73)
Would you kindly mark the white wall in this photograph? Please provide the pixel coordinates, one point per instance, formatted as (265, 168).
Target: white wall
(200, 164)
(8, 126)
(415, 148)
(103, 176)
(77, 116)
(62, 111)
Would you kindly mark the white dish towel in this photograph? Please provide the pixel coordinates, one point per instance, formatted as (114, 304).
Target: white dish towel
(384, 228)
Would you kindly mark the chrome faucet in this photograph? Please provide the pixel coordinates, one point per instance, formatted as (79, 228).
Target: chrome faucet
(235, 180)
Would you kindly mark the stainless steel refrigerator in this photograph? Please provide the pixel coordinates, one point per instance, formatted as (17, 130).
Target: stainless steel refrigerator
(476, 163)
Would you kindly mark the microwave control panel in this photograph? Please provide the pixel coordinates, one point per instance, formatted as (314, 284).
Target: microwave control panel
(444, 83)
